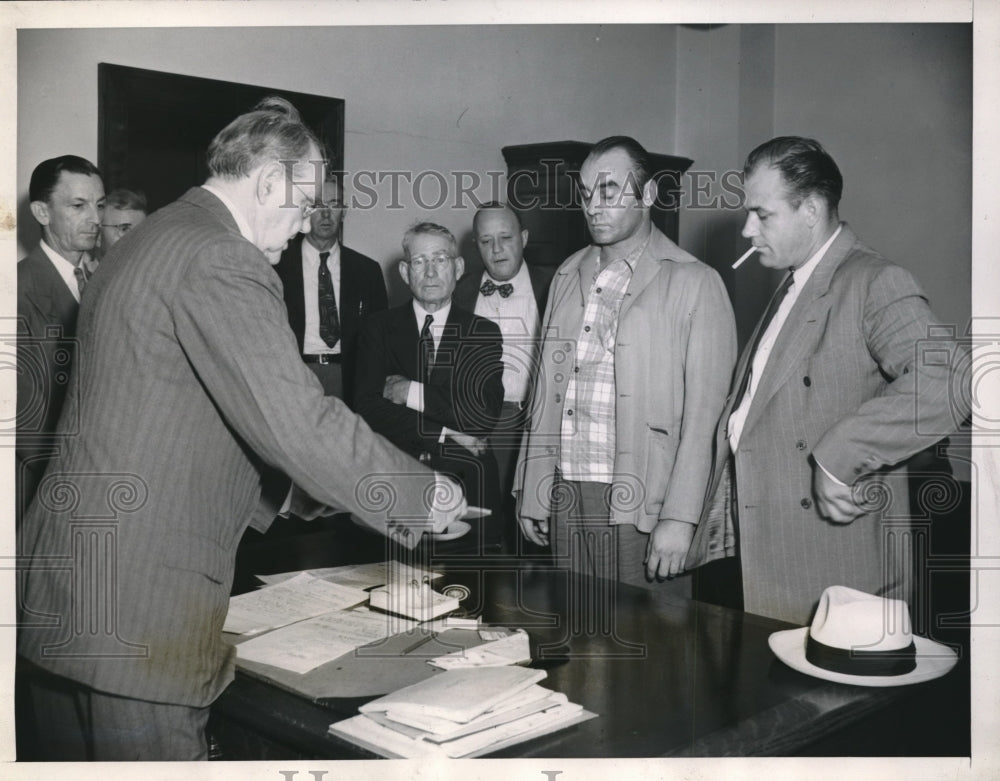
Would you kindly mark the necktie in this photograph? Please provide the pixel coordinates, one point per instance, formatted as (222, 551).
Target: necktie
(772, 309)
(427, 347)
(329, 322)
(81, 278)
(488, 289)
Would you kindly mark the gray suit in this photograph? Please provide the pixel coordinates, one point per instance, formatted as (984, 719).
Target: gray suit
(848, 385)
(46, 327)
(191, 382)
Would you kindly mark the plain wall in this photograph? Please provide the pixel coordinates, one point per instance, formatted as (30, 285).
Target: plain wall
(892, 103)
(417, 98)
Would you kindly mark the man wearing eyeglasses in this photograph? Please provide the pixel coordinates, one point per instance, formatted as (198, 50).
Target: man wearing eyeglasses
(192, 386)
(124, 209)
(430, 376)
(328, 289)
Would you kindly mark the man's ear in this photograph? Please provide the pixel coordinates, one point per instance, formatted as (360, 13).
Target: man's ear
(812, 209)
(524, 237)
(404, 271)
(270, 177)
(40, 211)
(459, 267)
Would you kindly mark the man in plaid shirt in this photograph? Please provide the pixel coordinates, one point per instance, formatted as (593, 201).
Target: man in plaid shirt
(638, 348)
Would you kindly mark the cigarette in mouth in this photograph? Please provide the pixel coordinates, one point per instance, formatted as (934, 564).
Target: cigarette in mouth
(744, 256)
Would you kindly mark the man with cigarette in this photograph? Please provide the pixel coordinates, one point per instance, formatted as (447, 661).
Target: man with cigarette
(830, 397)
(637, 353)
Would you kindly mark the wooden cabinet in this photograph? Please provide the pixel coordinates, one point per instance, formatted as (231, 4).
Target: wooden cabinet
(542, 185)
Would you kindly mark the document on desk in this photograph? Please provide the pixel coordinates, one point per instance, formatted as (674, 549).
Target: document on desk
(307, 644)
(363, 576)
(298, 598)
(512, 649)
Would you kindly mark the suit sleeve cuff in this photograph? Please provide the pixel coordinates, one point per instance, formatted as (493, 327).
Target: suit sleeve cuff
(832, 476)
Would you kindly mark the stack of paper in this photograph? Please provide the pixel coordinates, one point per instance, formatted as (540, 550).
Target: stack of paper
(285, 603)
(413, 599)
(461, 713)
(362, 576)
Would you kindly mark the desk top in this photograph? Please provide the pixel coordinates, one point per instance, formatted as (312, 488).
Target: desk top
(667, 676)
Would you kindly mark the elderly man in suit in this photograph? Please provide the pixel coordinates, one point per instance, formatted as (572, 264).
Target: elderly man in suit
(192, 385)
(512, 294)
(830, 398)
(67, 200)
(328, 289)
(430, 376)
(638, 350)
(124, 209)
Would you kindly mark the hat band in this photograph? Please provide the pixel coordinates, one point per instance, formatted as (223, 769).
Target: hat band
(851, 662)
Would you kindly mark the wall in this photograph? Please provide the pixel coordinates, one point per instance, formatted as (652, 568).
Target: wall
(893, 105)
(417, 98)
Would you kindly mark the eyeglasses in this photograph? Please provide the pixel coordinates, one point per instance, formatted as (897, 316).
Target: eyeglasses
(308, 208)
(122, 227)
(322, 206)
(438, 260)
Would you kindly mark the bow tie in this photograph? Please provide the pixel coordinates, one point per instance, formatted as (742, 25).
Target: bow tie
(488, 289)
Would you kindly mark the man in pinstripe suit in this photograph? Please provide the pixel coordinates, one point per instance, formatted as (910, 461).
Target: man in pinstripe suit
(190, 384)
(830, 398)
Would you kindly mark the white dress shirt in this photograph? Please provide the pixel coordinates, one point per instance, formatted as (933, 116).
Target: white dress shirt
(64, 267)
(312, 342)
(518, 320)
(739, 416)
(415, 394)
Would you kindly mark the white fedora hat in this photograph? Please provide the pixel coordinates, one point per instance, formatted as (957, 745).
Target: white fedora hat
(864, 640)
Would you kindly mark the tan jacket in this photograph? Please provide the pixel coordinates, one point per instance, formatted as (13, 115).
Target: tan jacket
(674, 356)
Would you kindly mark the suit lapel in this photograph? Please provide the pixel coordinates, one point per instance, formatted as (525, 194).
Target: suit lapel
(49, 293)
(802, 330)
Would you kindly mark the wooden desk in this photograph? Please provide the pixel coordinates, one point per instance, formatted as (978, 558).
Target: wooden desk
(666, 676)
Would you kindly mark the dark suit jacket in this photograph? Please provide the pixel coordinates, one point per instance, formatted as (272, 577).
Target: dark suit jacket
(464, 393)
(46, 331)
(854, 381)
(192, 380)
(362, 291)
(467, 289)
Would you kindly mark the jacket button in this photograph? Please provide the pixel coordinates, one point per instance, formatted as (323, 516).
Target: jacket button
(806, 503)
(801, 444)
(558, 398)
(569, 412)
(586, 328)
(559, 378)
(806, 381)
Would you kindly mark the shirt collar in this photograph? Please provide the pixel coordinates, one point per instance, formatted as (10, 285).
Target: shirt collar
(309, 251)
(58, 259)
(440, 316)
(241, 221)
(803, 272)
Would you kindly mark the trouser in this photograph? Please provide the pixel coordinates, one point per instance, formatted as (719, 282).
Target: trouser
(59, 720)
(584, 539)
(330, 376)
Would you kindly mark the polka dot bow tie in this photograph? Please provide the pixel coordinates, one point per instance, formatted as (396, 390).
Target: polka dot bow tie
(488, 289)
